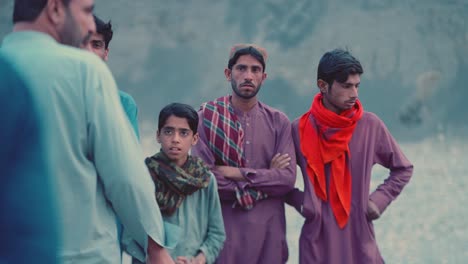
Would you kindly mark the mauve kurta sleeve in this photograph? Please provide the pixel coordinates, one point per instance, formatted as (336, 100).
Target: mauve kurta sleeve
(119, 163)
(226, 187)
(389, 155)
(216, 235)
(276, 182)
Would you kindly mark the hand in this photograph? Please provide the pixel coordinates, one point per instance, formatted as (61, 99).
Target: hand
(157, 254)
(199, 259)
(280, 161)
(231, 173)
(183, 260)
(373, 211)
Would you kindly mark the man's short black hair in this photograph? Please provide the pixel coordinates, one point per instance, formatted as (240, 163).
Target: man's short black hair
(29, 10)
(247, 51)
(337, 65)
(181, 111)
(104, 29)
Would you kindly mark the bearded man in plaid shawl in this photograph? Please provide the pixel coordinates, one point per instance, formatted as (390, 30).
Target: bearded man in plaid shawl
(248, 146)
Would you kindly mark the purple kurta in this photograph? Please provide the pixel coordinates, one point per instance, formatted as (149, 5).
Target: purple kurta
(257, 235)
(321, 240)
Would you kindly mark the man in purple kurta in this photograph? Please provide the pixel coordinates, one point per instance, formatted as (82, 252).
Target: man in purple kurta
(249, 147)
(341, 230)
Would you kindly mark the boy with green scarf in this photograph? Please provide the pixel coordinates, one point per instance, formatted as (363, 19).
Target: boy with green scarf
(186, 190)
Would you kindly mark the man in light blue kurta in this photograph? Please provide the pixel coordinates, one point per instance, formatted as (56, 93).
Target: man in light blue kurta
(98, 43)
(98, 167)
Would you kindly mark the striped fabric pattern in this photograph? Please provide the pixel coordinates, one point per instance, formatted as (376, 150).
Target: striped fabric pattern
(224, 132)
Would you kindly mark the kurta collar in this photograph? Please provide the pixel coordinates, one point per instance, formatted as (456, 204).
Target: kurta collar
(16, 37)
(251, 112)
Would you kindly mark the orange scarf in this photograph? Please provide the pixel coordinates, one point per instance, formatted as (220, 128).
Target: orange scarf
(324, 137)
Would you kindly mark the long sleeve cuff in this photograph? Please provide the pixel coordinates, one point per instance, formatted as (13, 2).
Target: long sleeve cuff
(172, 235)
(249, 174)
(208, 256)
(381, 200)
(295, 198)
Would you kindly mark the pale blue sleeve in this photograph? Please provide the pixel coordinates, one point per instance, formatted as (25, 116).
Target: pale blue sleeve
(131, 110)
(119, 162)
(216, 234)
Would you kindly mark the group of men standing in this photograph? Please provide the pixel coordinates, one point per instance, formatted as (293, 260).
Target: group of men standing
(100, 181)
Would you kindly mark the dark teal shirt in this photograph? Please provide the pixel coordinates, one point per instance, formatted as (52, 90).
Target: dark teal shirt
(28, 231)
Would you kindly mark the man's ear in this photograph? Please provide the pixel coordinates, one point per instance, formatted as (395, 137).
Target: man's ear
(322, 85)
(55, 11)
(106, 54)
(195, 139)
(227, 73)
(158, 137)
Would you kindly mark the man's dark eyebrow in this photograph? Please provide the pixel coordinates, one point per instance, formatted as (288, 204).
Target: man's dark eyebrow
(347, 83)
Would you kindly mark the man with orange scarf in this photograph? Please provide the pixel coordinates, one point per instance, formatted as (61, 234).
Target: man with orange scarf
(337, 143)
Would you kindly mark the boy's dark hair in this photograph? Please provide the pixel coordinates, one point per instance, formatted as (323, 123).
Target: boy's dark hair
(337, 65)
(247, 51)
(181, 111)
(29, 10)
(104, 29)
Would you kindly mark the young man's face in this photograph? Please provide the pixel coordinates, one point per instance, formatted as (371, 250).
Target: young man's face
(176, 139)
(78, 24)
(246, 77)
(97, 45)
(340, 96)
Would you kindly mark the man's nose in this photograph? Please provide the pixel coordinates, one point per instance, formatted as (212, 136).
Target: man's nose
(355, 91)
(91, 25)
(176, 137)
(248, 75)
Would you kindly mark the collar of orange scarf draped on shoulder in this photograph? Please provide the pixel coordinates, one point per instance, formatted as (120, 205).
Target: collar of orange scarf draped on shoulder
(174, 183)
(324, 138)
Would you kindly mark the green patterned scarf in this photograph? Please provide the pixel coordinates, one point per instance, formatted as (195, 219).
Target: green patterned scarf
(174, 183)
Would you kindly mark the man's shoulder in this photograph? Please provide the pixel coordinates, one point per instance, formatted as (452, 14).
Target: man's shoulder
(370, 118)
(126, 98)
(83, 57)
(275, 113)
(295, 122)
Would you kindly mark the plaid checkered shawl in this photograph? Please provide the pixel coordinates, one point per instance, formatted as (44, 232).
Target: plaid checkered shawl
(225, 139)
(224, 132)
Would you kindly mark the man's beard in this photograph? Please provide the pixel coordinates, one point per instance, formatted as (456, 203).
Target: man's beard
(71, 34)
(244, 96)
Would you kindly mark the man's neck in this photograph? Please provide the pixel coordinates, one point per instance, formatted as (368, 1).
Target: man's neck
(36, 26)
(331, 107)
(242, 104)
